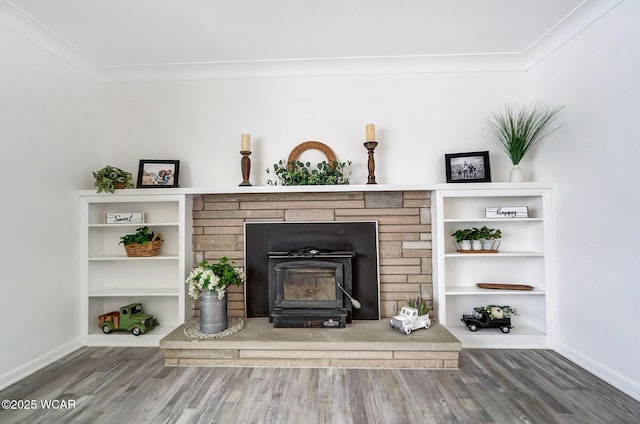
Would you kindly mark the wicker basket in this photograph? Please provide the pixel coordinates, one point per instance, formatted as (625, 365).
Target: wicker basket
(148, 249)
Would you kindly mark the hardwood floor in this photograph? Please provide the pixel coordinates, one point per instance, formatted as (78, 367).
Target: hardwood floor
(131, 385)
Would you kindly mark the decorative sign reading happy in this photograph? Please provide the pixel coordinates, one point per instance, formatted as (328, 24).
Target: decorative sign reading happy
(507, 212)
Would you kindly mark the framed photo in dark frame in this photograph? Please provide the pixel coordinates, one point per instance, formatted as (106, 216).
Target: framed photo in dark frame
(471, 167)
(157, 173)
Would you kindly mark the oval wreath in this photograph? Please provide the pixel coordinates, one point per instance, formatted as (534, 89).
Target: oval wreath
(312, 145)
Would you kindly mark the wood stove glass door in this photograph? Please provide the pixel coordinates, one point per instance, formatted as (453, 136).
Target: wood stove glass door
(308, 284)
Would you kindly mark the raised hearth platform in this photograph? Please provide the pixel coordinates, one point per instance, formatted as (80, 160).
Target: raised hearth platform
(362, 344)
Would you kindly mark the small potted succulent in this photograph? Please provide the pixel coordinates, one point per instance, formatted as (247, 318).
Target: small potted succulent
(421, 304)
(110, 178)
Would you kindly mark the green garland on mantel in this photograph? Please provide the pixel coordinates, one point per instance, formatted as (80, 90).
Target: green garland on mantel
(299, 173)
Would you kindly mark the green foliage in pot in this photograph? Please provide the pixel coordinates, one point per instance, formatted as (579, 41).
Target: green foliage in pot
(467, 234)
(299, 173)
(499, 311)
(422, 305)
(214, 277)
(109, 177)
(143, 235)
(489, 233)
(517, 129)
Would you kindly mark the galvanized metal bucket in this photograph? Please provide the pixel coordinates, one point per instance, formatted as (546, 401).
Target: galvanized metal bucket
(213, 312)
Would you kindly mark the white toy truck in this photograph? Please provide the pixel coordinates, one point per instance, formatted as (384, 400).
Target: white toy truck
(409, 320)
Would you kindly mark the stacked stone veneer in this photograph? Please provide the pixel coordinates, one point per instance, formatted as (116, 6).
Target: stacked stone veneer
(404, 233)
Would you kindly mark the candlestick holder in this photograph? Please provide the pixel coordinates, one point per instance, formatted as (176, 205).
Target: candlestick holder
(245, 165)
(371, 163)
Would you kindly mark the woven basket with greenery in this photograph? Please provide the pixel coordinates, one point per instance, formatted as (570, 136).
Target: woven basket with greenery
(150, 248)
(142, 243)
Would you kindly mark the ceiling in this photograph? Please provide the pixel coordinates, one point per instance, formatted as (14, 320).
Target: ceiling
(151, 39)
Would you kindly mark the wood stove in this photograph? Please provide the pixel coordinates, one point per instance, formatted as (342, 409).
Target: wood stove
(288, 241)
(307, 288)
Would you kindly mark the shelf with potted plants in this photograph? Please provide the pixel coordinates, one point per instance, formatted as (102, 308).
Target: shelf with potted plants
(485, 241)
(522, 258)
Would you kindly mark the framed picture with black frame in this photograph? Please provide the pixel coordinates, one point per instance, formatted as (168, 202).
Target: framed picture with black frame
(471, 167)
(157, 173)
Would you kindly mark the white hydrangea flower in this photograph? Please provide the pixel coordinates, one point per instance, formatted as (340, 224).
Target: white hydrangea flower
(203, 277)
(221, 292)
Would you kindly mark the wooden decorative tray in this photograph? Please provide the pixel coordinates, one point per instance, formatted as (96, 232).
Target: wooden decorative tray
(498, 286)
(477, 251)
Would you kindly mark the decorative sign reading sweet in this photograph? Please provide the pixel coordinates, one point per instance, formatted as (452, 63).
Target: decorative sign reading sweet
(124, 218)
(507, 212)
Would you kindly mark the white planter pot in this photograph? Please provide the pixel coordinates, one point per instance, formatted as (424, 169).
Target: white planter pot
(516, 175)
(465, 245)
(476, 245)
(487, 244)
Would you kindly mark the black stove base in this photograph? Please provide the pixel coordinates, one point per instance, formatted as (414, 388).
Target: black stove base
(309, 318)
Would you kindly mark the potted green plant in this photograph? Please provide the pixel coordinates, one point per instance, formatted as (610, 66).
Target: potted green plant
(299, 173)
(421, 304)
(143, 242)
(464, 237)
(474, 235)
(208, 283)
(110, 178)
(489, 238)
(517, 129)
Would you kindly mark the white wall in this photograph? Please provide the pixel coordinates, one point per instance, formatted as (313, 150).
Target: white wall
(594, 161)
(418, 117)
(49, 133)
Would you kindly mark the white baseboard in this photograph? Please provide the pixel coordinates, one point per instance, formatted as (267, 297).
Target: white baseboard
(38, 363)
(619, 381)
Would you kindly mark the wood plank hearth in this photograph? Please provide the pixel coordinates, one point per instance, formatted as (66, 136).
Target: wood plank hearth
(362, 344)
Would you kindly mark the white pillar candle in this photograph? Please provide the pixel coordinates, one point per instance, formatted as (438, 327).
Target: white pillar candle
(245, 145)
(371, 132)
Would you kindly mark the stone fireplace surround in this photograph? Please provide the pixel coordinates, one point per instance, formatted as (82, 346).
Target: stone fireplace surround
(404, 227)
(403, 214)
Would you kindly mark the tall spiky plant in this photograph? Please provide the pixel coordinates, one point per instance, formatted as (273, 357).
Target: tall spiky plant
(518, 129)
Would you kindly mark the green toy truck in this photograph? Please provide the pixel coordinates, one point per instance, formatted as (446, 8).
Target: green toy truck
(129, 318)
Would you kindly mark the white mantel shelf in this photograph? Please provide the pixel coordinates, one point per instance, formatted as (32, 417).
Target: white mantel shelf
(320, 188)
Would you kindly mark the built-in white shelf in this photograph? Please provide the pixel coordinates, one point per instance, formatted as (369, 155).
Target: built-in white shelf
(524, 257)
(127, 258)
(111, 279)
(500, 254)
(134, 291)
(493, 220)
(477, 291)
(316, 189)
(520, 337)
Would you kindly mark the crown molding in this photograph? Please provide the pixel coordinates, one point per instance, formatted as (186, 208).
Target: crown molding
(575, 22)
(578, 20)
(317, 67)
(31, 29)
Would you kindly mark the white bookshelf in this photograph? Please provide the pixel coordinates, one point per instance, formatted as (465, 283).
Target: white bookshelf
(110, 279)
(524, 257)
